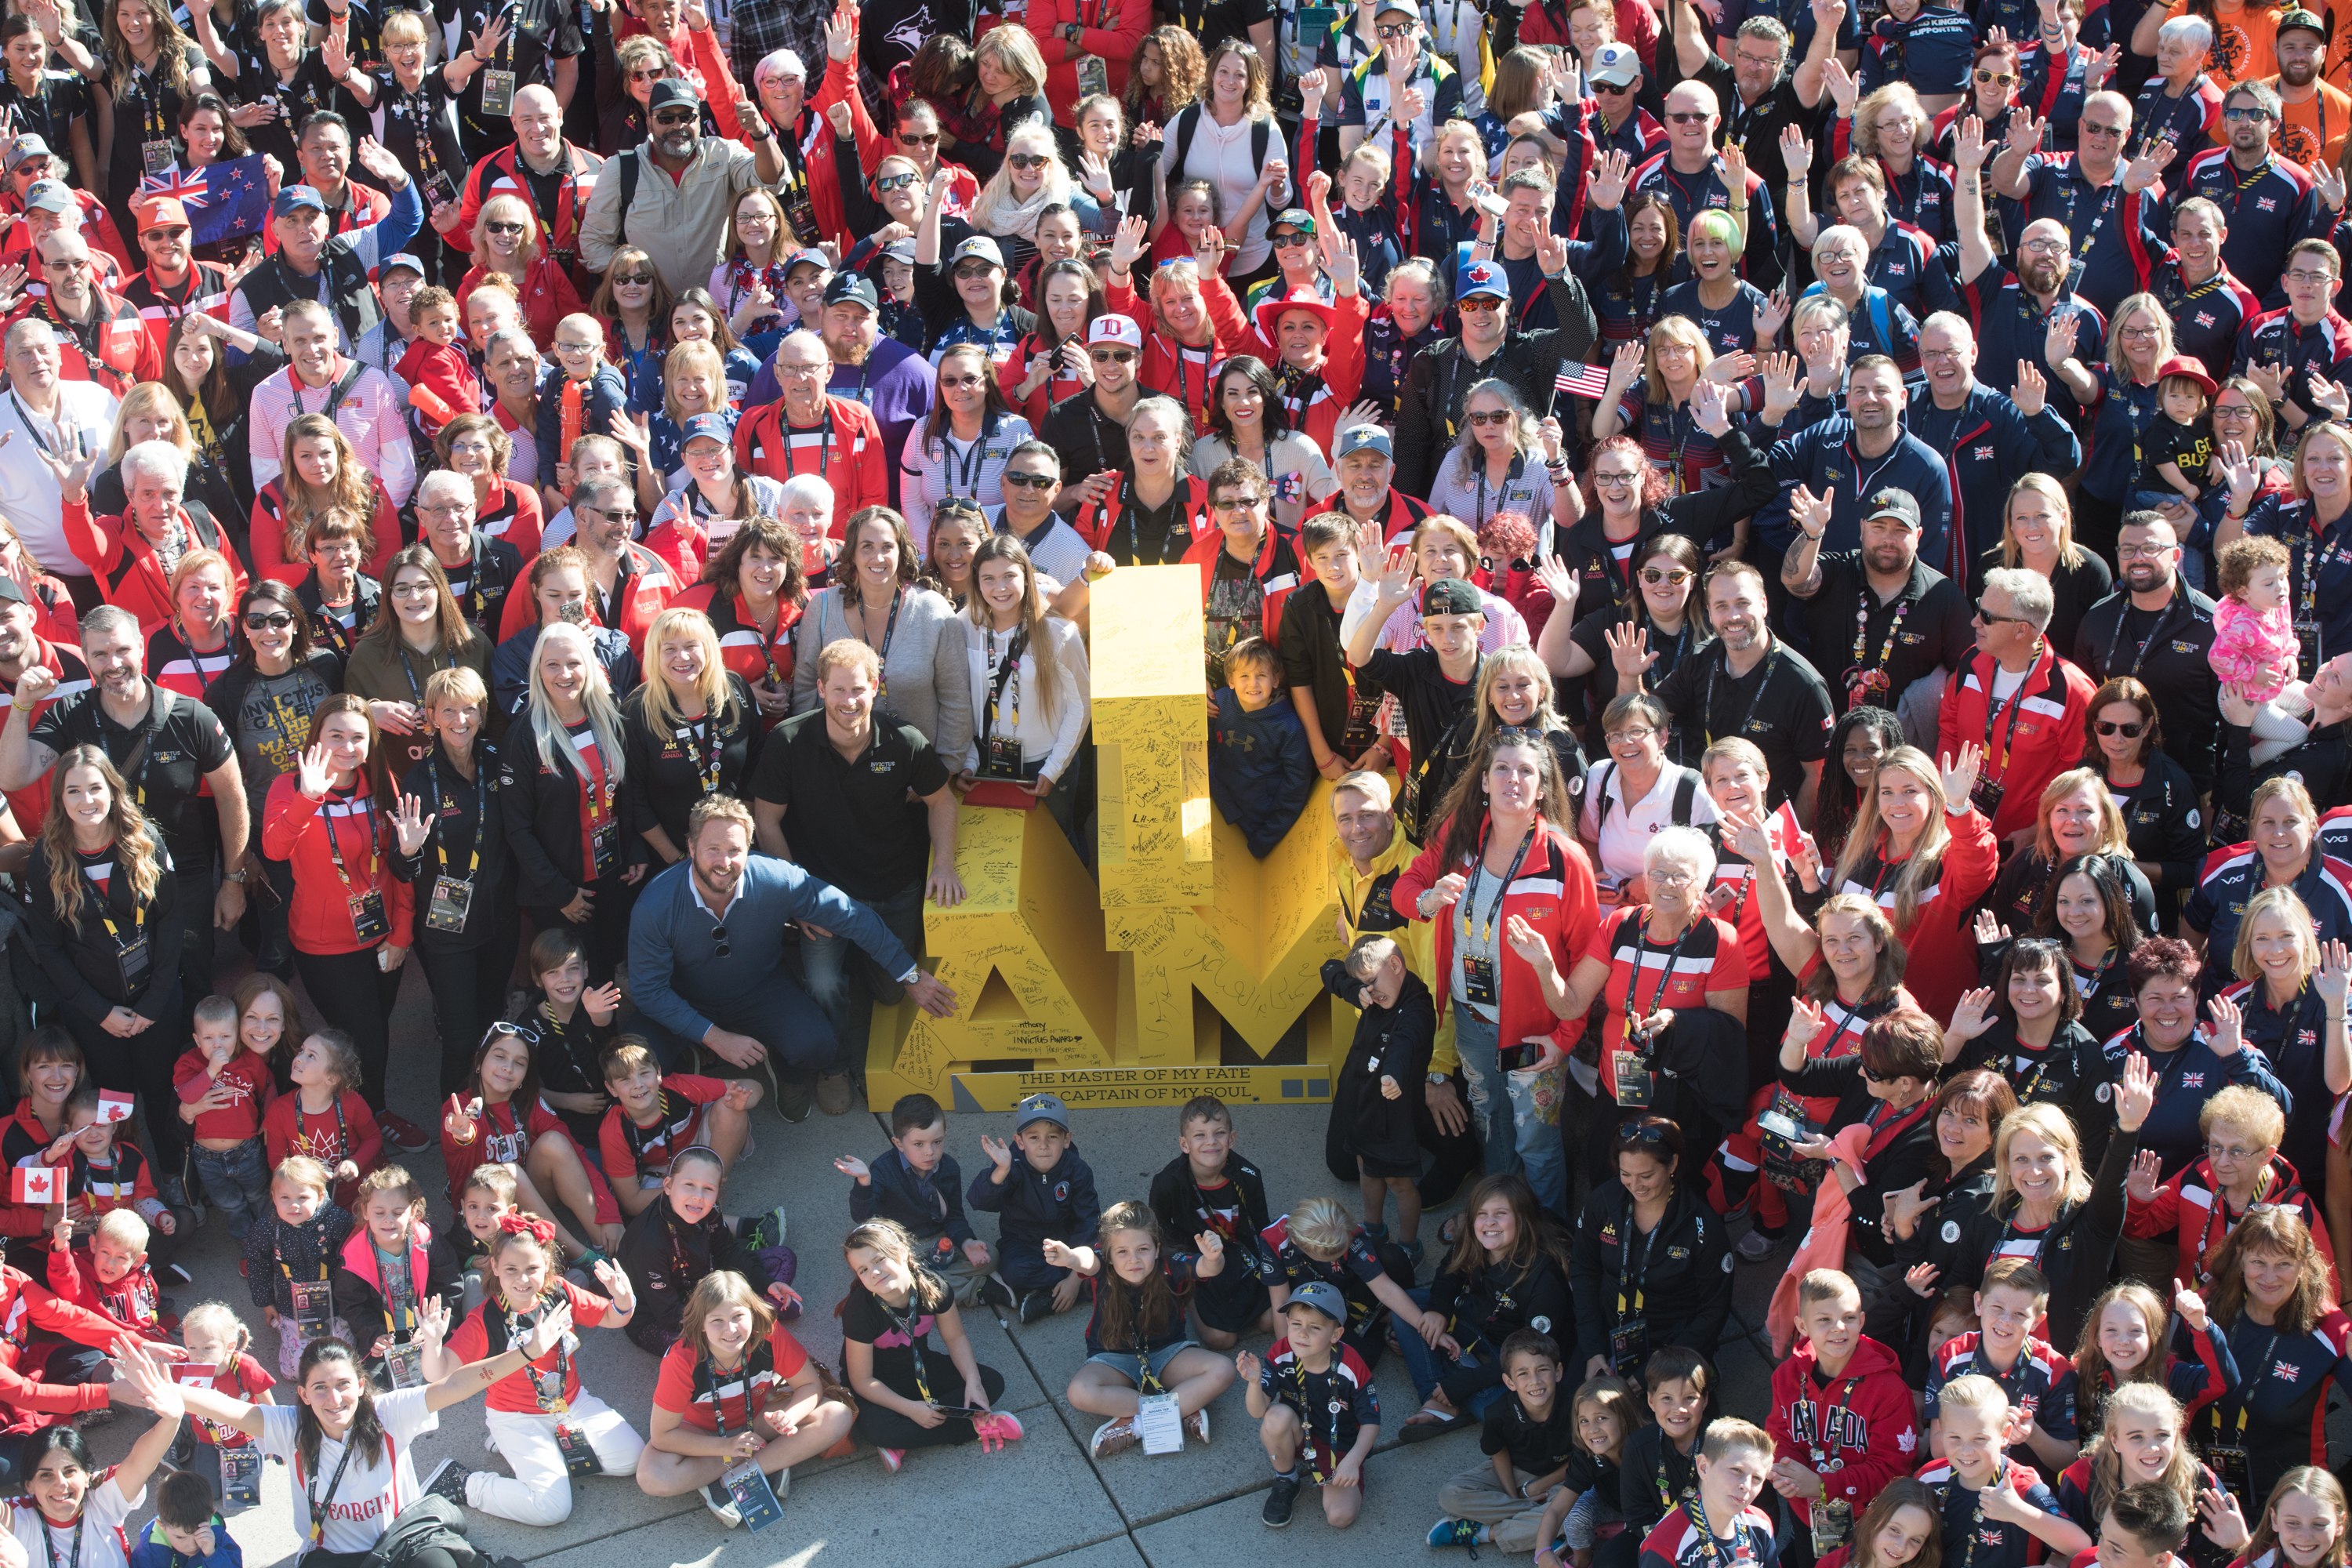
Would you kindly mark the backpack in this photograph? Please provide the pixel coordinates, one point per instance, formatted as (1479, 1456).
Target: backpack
(1686, 795)
(1188, 122)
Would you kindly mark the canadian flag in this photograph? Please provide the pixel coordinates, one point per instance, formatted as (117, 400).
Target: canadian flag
(36, 1184)
(114, 1105)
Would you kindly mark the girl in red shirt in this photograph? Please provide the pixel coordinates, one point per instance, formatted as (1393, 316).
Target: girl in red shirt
(541, 1413)
(499, 1118)
(325, 1119)
(735, 1387)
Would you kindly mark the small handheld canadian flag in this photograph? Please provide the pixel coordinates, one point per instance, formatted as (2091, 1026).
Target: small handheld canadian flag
(36, 1185)
(114, 1105)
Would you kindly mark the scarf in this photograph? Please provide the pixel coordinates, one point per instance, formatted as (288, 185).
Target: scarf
(999, 213)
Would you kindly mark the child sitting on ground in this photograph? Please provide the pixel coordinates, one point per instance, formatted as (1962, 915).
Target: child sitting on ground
(573, 1021)
(918, 1183)
(1050, 1193)
(290, 1255)
(1135, 1340)
(111, 1278)
(1209, 1187)
(215, 1338)
(681, 1239)
(2255, 650)
(105, 1173)
(1317, 1241)
(910, 1395)
(1584, 1509)
(2040, 1381)
(1387, 1063)
(223, 1088)
(440, 378)
(655, 1115)
(387, 1275)
(1531, 1447)
(464, 1249)
(1261, 771)
(325, 1119)
(187, 1532)
(1313, 1399)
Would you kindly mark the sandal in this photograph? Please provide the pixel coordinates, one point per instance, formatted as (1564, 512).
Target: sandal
(1429, 1422)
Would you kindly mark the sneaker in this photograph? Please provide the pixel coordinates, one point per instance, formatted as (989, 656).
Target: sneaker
(449, 1481)
(1008, 1427)
(721, 1505)
(794, 1099)
(1197, 1424)
(1116, 1435)
(835, 1094)
(174, 1271)
(1452, 1531)
(1036, 1306)
(1279, 1500)
(994, 1292)
(892, 1458)
(1758, 1243)
(403, 1134)
(762, 1230)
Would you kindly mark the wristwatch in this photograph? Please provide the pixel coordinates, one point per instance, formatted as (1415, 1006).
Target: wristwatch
(1437, 1078)
(236, 876)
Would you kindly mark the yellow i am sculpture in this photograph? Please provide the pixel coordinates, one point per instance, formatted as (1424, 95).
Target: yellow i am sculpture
(1121, 988)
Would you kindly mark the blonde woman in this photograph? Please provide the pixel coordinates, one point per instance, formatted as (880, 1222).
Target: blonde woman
(576, 862)
(1009, 72)
(2074, 817)
(1893, 126)
(691, 729)
(1029, 682)
(506, 241)
(1924, 854)
(2139, 340)
(321, 475)
(147, 70)
(2038, 533)
(2291, 993)
(150, 412)
(1502, 461)
(1649, 397)
(694, 381)
(1031, 180)
(2205, 1199)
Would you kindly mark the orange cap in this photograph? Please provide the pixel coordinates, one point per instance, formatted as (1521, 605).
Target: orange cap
(161, 212)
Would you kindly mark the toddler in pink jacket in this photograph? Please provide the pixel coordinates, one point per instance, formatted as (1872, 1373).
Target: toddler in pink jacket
(2254, 647)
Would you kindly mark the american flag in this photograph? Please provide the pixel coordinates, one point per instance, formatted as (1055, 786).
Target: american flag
(225, 201)
(1581, 380)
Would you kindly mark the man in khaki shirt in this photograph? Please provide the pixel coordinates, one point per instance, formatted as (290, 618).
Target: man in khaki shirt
(679, 187)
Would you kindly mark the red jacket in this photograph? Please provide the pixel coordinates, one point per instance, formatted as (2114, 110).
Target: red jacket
(2037, 735)
(121, 355)
(514, 514)
(1112, 30)
(495, 175)
(1940, 938)
(2186, 1209)
(629, 1148)
(1554, 892)
(495, 1134)
(547, 297)
(97, 228)
(1275, 587)
(130, 574)
(1339, 378)
(206, 287)
(325, 1136)
(26, 1306)
(130, 1303)
(441, 384)
(1015, 370)
(1096, 520)
(1403, 513)
(266, 532)
(192, 1077)
(742, 647)
(295, 828)
(1862, 1423)
(653, 583)
(1180, 371)
(765, 445)
(1637, 24)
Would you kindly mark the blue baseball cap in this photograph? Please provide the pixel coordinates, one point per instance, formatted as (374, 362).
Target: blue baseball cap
(1484, 278)
(711, 426)
(296, 198)
(1041, 1108)
(1321, 1295)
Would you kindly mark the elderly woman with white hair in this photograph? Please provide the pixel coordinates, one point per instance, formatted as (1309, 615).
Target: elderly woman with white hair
(1667, 957)
(2176, 105)
(1876, 323)
(133, 556)
(2018, 700)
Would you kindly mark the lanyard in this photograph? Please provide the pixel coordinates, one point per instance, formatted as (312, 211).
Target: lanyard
(711, 746)
(1629, 1300)
(399, 1305)
(1706, 708)
(25, 418)
(1997, 761)
(1826, 1426)
(889, 629)
(554, 1402)
(448, 803)
(1665, 981)
(1709, 1550)
(706, 1377)
(1486, 931)
(2244, 1395)
(1863, 666)
(367, 811)
(2155, 634)
(595, 794)
(138, 914)
(1006, 683)
(2218, 1215)
(968, 464)
(82, 1522)
(2090, 236)
(319, 1505)
(2315, 562)
(906, 1327)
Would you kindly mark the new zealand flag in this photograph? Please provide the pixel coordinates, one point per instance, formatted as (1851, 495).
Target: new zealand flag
(225, 201)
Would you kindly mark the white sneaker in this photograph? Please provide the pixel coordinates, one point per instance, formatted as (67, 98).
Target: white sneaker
(721, 1504)
(1197, 1424)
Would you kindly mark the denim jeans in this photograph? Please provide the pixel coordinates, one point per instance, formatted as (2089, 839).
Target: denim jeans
(237, 1182)
(1517, 1112)
(1430, 1367)
(846, 982)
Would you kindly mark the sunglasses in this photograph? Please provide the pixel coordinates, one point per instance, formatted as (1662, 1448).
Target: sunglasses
(1653, 576)
(973, 269)
(2129, 731)
(1111, 356)
(1026, 160)
(1483, 302)
(1985, 77)
(675, 117)
(1237, 503)
(502, 228)
(1988, 618)
(277, 621)
(1290, 241)
(615, 516)
(931, 141)
(1687, 116)
(1028, 481)
(959, 383)
(1496, 417)
(1651, 1132)
(2089, 128)
(2238, 112)
(643, 280)
(718, 936)
(1396, 30)
(529, 1036)
(894, 182)
(168, 234)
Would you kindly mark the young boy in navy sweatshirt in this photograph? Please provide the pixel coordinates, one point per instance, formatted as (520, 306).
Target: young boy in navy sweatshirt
(918, 1183)
(1260, 769)
(1049, 1192)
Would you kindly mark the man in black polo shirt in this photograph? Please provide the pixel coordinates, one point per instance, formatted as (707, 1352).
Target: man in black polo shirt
(165, 746)
(1911, 624)
(1749, 685)
(2158, 629)
(850, 780)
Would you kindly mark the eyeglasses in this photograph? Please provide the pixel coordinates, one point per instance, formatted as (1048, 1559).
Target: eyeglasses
(1601, 481)
(970, 270)
(1688, 116)
(894, 182)
(2157, 552)
(718, 936)
(2093, 128)
(907, 141)
(1985, 77)
(1489, 417)
(2309, 275)
(959, 383)
(66, 264)
(1027, 160)
(176, 232)
(675, 117)
(1237, 503)
(1634, 737)
(2221, 1150)
(2129, 731)
(276, 621)
(613, 516)
(1028, 481)
(563, 348)
(446, 509)
(502, 228)
(412, 590)
(2043, 246)
(1111, 356)
(1653, 576)
(1671, 879)
(2243, 112)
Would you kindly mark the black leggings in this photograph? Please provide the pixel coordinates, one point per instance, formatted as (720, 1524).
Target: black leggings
(353, 994)
(890, 1429)
(469, 991)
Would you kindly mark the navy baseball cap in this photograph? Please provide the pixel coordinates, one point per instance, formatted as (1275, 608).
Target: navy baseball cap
(1041, 1108)
(1484, 278)
(298, 198)
(712, 425)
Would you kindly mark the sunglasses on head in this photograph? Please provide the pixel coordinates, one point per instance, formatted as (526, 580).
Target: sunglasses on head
(1653, 1130)
(2129, 731)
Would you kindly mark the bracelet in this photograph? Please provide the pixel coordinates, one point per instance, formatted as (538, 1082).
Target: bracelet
(20, 707)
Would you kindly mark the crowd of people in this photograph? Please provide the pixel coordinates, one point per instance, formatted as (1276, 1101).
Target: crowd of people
(421, 541)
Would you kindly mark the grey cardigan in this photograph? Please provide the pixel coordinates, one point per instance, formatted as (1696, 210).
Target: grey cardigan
(924, 679)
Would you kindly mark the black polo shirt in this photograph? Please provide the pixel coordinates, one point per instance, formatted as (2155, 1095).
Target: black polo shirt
(163, 759)
(58, 99)
(2166, 650)
(539, 32)
(1923, 628)
(851, 823)
(1782, 705)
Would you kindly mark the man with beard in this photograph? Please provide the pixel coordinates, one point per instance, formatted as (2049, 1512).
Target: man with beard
(1367, 493)
(22, 647)
(670, 196)
(2272, 201)
(2284, 350)
(2158, 629)
(1693, 177)
(2015, 697)
(2091, 194)
(1986, 439)
(166, 747)
(100, 337)
(45, 413)
(549, 173)
(2030, 314)
(1854, 455)
(707, 947)
(2316, 116)
(894, 381)
(1747, 683)
(808, 430)
(174, 282)
(313, 262)
(2208, 304)
(1087, 430)
(367, 405)
(1879, 618)
(1489, 344)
